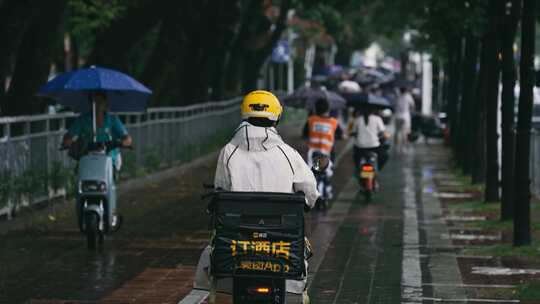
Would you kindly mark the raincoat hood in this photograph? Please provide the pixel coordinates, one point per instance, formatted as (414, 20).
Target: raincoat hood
(252, 138)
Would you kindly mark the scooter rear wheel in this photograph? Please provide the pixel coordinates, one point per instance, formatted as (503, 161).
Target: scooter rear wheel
(91, 223)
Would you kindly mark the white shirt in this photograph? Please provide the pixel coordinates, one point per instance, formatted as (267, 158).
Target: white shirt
(257, 159)
(349, 86)
(403, 106)
(367, 136)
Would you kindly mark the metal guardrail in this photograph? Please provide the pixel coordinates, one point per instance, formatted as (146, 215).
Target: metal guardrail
(162, 137)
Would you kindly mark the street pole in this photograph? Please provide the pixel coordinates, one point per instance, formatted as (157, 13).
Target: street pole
(290, 62)
(309, 60)
(427, 84)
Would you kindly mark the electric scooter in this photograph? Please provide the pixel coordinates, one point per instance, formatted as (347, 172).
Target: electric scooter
(96, 194)
(368, 174)
(320, 166)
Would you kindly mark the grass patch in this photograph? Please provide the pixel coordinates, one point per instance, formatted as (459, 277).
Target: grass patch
(529, 291)
(506, 250)
(535, 205)
(475, 206)
(493, 225)
(465, 180)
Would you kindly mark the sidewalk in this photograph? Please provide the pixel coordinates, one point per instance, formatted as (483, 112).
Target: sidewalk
(401, 247)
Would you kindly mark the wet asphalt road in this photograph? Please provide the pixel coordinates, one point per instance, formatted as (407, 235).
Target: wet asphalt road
(153, 258)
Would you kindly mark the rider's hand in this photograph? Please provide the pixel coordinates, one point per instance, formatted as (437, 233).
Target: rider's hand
(67, 141)
(127, 141)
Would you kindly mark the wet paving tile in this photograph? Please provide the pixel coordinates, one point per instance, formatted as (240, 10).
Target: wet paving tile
(156, 286)
(496, 271)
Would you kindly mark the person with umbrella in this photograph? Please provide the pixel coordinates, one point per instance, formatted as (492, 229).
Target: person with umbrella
(93, 92)
(369, 133)
(109, 128)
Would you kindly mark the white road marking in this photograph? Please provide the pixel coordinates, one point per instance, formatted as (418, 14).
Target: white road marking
(195, 297)
(456, 218)
(503, 271)
(411, 278)
(451, 195)
(471, 237)
(471, 285)
(467, 300)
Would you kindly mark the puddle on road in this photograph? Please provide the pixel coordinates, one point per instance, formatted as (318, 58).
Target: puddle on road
(504, 271)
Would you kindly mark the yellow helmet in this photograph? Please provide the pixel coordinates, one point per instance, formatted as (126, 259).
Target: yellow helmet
(262, 104)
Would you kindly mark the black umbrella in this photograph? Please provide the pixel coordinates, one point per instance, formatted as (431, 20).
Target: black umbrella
(306, 98)
(364, 99)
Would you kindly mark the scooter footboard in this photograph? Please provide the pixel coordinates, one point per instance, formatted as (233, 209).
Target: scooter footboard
(258, 234)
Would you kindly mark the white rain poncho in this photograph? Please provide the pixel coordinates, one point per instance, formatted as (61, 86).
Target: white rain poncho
(257, 159)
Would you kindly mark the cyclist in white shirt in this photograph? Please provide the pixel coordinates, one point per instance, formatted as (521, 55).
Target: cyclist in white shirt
(368, 130)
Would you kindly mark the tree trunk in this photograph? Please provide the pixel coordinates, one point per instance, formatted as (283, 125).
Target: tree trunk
(165, 68)
(404, 63)
(446, 87)
(15, 16)
(436, 85)
(509, 27)
(467, 104)
(522, 227)
(163, 59)
(456, 44)
(42, 39)
(113, 43)
(228, 30)
(491, 193)
(260, 55)
(479, 170)
(222, 19)
(235, 66)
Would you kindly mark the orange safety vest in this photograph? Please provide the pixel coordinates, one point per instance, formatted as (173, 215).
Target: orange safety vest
(321, 133)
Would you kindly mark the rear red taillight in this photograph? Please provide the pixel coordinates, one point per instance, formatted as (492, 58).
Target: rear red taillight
(368, 168)
(260, 290)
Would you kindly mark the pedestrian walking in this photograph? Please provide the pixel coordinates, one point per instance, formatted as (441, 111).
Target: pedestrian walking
(402, 119)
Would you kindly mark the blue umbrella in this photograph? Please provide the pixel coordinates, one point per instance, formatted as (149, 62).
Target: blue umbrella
(72, 89)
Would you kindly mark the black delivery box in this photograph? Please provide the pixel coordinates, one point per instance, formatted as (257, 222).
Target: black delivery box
(258, 234)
